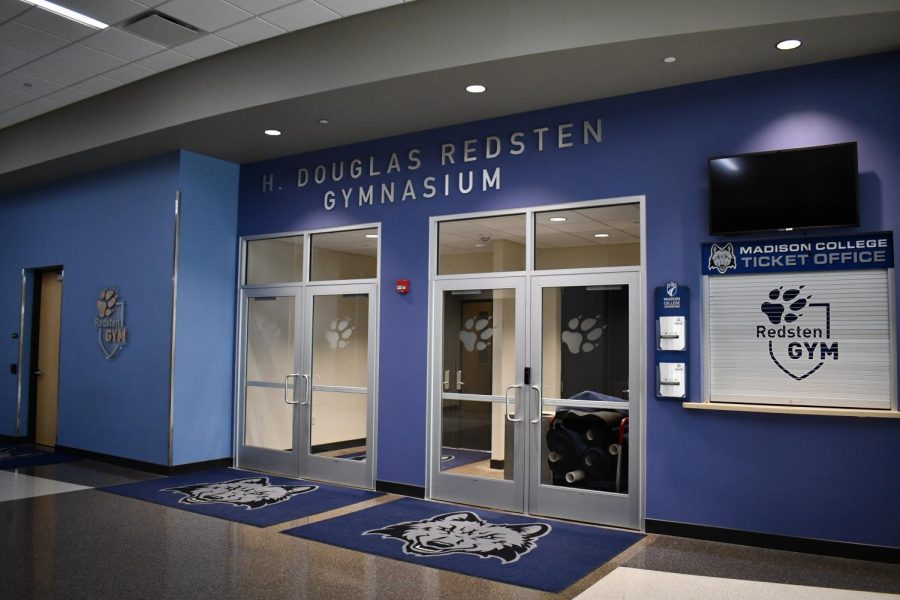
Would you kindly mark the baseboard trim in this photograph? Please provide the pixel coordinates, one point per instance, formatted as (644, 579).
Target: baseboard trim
(774, 541)
(401, 489)
(496, 464)
(148, 466)
(13, 439)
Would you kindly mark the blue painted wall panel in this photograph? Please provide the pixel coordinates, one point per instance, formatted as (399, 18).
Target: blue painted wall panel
(828, 478)
(204, 354)
(112, 228)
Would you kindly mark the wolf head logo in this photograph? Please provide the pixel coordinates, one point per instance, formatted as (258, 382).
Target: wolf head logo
(721, 258)
(252, 493)
(465, 533)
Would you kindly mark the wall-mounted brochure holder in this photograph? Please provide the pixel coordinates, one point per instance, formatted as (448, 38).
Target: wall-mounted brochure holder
(672, 303)
(671, 380)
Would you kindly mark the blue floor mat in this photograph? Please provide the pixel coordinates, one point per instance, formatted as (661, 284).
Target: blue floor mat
(18, 457)
(243, 496)
(520, 550)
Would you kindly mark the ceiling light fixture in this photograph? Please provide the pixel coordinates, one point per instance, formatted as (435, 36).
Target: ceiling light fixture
(272, 132)
(68, 13)
(669, 59)
(323, 121)
(601, 235)
(475, 88)
(372, 236)
(788, 44)
(558, 219)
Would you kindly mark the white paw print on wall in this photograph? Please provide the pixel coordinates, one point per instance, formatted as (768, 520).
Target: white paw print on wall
(476, 334)
(339, 332)
(582, 334)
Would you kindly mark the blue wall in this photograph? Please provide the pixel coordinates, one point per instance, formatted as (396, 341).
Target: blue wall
(204, 337)
(828, 478)
(113, 228)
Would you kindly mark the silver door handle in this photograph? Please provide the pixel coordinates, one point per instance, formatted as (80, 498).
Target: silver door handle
(540, 405)
(506, 394)
(286, 377)
(307, 396)
(446, 380)
(459, 383)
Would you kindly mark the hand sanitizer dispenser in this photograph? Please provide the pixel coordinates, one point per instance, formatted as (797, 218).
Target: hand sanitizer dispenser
(671, 380)
(672, 356)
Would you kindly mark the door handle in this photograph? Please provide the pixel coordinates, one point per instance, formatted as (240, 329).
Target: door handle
(446, 381)
(506, 394)
(286, 377)
(540, 405)
(307, 396)
(459, 383)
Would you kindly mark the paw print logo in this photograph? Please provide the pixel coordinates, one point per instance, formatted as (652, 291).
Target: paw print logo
(785, 305)
(339, 333)
(476, 333)
(107, 302)
(582, 334)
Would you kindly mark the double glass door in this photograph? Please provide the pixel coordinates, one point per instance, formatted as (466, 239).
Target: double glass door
(306, 382)
(535, 400)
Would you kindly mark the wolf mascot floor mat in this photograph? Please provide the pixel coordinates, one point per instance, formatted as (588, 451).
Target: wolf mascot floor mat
(520, 550)
(242, 496)
(18, 457)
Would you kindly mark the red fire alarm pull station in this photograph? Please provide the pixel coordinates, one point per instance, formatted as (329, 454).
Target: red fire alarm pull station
(403, 286)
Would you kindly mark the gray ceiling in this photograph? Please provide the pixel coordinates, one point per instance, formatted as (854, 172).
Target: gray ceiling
(404, 69)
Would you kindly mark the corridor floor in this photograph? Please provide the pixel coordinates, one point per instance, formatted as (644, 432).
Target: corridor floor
(61, 538)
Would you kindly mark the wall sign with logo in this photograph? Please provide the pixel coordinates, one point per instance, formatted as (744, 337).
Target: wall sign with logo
(112, 334)
(800, 322)
(672, 303)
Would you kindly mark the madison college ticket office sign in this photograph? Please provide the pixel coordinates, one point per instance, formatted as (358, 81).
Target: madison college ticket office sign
(803, 321)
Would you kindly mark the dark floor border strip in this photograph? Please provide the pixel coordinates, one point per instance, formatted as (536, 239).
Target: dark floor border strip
(774, 541)
(147, 466)
(12, 439)
(402, 489)
(319, 448)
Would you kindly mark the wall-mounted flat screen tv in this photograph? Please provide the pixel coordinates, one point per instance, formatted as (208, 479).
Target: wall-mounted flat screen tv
(784, 189)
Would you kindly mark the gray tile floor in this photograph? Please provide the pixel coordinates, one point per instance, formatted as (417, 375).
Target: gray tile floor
(84, 543)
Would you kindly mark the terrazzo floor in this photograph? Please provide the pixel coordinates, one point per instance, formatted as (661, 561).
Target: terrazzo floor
(59, 538)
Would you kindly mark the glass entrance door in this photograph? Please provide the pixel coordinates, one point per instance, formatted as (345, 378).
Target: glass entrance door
(584, 414)
(337, 402)
(477, 449)
(267, 419)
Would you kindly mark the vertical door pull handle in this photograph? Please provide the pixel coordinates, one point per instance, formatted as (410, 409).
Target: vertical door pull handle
(540, 405)
(307, 396)
(286, 378)
(459, 382)
(446, 381)
(506, 394)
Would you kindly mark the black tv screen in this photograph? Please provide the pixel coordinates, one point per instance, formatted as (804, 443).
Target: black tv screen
(785, 189)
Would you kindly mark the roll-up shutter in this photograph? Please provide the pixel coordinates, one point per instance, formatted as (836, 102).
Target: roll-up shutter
(808, 338)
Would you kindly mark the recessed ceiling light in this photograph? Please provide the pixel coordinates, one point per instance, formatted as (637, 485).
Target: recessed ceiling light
(479, 245)
(323, 121)
(475, 88)
(68, 13)
(788, 44)
(558, 219)
(272, 132)
(601, 235)
(669, 59)
(372, 236)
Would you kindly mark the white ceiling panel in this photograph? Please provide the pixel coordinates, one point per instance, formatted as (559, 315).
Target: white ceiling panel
(11, 8)
(205, 46)
(122, 44)
(128, 73)
(27, 84)
(97, 85)
(29, 39)
(10, 57)
(51, 23)
(56, 72)
(108, 11)
(165, 60)
(32, 109)
(86, 58)
(249, 32)
(300, 15)
(208, 15)
(257, 7)
(346, 8)
(68, 95)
